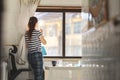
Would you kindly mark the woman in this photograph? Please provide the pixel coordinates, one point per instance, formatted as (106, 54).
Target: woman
(34, 38)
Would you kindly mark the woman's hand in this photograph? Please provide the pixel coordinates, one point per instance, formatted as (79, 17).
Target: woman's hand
(41, 30)
(43, 40)
(42, 37)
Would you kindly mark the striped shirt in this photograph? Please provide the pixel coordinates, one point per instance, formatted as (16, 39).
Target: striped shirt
(34, 44)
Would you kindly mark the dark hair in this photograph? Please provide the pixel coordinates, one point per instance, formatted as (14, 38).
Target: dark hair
(31, 25)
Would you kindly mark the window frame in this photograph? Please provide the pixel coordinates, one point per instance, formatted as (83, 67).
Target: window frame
(63, 11)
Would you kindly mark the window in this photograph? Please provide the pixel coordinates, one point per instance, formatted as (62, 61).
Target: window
(73, 40)
(51, 23)
(68, 30)
(52, 51)
(77, 27)
(73, 51)
(62, 31)
(44, 29)
(52, 30)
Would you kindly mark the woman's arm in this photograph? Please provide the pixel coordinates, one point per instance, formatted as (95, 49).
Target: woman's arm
(42, 37)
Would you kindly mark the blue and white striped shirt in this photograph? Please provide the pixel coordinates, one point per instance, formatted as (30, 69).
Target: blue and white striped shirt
(34, 44)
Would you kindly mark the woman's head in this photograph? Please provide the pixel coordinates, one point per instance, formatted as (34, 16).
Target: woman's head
(31, 25)
(32, 22)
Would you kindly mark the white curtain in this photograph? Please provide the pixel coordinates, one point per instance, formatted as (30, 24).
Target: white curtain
(26, 9)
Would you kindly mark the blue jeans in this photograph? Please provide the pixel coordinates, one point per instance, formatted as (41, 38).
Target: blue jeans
(36, 62)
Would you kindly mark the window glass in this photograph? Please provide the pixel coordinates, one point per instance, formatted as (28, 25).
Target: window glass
(74, 40)
(68, 31)
(51, 23)
(76, 23)
(77, 27)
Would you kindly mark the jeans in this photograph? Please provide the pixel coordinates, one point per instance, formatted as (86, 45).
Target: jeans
(36, 62)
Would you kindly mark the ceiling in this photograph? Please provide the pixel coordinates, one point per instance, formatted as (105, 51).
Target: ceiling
(63, 3)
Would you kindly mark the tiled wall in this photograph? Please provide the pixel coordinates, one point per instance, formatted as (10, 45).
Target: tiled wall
(102, 42)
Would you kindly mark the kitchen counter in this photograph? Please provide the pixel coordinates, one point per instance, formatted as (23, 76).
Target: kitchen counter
(61, 68)
(62, 73)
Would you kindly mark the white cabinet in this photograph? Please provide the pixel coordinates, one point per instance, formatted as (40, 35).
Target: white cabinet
(62, 73)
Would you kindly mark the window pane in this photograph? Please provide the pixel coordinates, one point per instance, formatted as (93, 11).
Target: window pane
(68, 31)
(51, 23)
(77, 28)
(74, 39)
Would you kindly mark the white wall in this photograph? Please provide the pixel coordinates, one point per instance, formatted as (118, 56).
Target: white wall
(114, 8)
(63, 3)
(10, 33)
